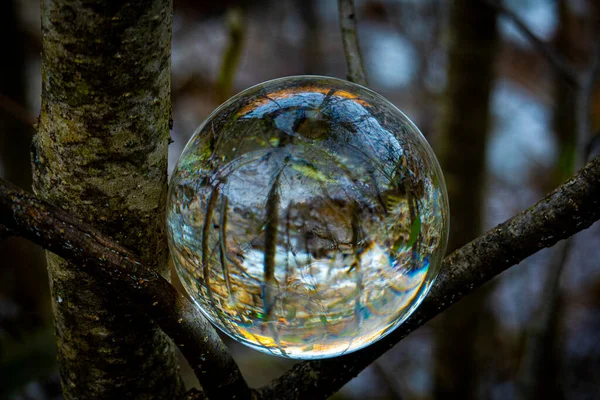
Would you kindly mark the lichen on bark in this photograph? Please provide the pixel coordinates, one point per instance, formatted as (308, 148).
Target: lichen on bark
(101, 154)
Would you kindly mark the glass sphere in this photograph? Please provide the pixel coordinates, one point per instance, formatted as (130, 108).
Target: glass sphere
(307, 217)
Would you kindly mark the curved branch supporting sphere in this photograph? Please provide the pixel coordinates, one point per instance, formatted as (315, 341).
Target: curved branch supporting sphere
(129, 283)
(125, 280)
(572, 207)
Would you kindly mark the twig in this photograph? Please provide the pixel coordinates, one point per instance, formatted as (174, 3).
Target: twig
(572, 207)
(231, 58)
(124, 276)
(555, 59)
(356, 68)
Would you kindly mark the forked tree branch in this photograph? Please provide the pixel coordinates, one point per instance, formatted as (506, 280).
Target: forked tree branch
(354, 60)
(236, 25)
(572, 207)
(554, 58)
(128, 281)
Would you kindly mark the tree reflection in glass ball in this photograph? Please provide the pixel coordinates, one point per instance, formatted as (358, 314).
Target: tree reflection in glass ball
(307, 217)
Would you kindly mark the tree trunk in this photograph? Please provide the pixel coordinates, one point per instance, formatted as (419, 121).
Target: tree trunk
(101, 154)
(464, 129)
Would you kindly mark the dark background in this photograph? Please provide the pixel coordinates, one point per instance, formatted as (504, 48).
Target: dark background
(493, 346)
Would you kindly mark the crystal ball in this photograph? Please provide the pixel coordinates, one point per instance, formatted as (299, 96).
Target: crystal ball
(307, 217)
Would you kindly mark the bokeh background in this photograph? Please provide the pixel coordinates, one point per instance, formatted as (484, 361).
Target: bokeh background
(492, 345)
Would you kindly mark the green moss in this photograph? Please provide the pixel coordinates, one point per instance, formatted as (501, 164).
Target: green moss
(101, 153)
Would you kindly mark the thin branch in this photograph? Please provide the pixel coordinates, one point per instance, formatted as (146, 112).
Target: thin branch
(354, 60)
(231, 57)
(554, 58)
(572, 207)
(125, 278)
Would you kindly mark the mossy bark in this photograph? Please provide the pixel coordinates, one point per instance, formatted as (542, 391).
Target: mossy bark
(101, 154)
(465, 124)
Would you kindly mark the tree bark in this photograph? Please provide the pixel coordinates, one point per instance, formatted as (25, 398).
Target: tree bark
(465, 124)
(571, 208)
(349, 29)
(101, 154)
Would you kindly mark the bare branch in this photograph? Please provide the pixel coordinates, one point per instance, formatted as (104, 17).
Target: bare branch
(125, 278)
(556, 60)
(572, 207)
(356, 68)
(237, 28)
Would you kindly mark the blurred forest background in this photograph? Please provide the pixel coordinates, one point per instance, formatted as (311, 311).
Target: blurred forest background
(500, 118)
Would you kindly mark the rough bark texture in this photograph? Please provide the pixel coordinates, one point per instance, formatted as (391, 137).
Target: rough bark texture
(124, 280)
(572, 207)
(465, 125)
(354, 61)
(101, 154)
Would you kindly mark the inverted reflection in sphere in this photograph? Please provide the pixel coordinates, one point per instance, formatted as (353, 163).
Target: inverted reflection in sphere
(307, 217)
